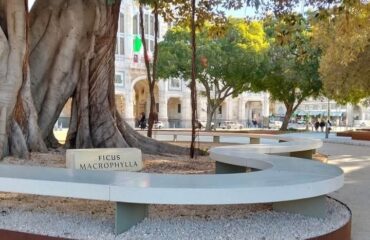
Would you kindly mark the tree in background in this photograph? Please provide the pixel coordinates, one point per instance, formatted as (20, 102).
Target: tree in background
(151, 67)
(193, 15)
(343, 34)
(291, 67)
(228, 63)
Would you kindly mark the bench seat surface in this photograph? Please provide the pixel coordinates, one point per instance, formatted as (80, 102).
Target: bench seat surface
(281, 179)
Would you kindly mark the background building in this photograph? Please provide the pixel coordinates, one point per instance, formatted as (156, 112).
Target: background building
(340, 115)
(172, 96)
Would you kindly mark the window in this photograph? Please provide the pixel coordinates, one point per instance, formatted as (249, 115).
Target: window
(146, 23)
(174, 84)
(147, 43)
(151, 48)
(179, 108)
(135, 28)
(157, 107)
(151, 25)
(121, 23)
(120, 79)
(306, 107)
(220, 110)
(315, 107)
(121, 45)
(148, 29)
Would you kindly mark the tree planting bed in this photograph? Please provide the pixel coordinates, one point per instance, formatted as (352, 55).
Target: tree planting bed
(83, 219)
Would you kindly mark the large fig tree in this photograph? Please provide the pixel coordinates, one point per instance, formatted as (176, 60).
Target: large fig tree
(65, 51)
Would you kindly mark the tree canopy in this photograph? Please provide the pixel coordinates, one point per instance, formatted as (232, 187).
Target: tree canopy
(291, 65)
(344, 37)
(227, 63)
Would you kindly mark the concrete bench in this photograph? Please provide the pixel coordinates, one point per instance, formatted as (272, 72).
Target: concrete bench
(292, 184)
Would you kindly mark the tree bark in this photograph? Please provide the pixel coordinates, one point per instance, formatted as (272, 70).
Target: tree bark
(193, 83)
(19, 131)
(61, 34)
(151, 74)
(288, 114)
(210, 113)
(72, 45)
(73, 48)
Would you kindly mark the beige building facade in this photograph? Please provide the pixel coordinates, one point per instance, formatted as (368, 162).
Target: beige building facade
(172, 95)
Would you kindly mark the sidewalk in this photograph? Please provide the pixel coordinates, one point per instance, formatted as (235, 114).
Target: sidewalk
(355, 162)
(353, 156)
(333, 138)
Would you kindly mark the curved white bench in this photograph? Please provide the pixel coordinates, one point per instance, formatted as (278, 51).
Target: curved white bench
(281, 179)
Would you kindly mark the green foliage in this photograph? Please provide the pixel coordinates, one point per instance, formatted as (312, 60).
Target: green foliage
(229, 62)
(343, 35)
(291, 66)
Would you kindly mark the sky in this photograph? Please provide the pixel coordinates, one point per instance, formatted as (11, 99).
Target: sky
(30, 3)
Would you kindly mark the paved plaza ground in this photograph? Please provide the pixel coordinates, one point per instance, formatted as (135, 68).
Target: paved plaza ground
(355, 162)
(354, 158)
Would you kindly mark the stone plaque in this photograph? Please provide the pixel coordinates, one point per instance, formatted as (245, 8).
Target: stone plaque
(120, 159)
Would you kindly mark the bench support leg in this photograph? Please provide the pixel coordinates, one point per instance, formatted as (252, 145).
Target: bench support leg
(216, 139)
(313, 207)
(303, 154)
(128, 215)
(254, 140)
(228, 168)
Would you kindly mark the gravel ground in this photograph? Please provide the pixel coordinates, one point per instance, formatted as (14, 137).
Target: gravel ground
(85, 219)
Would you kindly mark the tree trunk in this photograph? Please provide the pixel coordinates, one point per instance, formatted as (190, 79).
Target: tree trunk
(73, 47)
(210, 113)
(193, 83)
(288, 114)
(61, 42)
(151, 78)
(153, 115)
(19, 132)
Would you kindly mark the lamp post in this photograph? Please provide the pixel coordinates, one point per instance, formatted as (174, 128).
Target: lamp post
(327, 121)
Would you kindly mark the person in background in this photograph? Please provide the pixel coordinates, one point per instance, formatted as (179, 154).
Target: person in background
(317, 125)
(322, 125)
(328, 125)
(142, 121)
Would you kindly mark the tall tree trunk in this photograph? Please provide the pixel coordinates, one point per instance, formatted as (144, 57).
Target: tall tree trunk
(73, 47)
(193, 83)
(19, 132)
(153, 115)
(151, 78)
(210, 113)
(288, 114)
(60, 46)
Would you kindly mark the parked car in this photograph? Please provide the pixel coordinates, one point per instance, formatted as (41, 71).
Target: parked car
(231, 125)
(157, 125)
(202, 124)
(275, 124)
